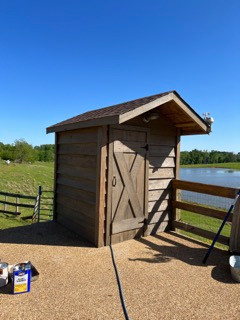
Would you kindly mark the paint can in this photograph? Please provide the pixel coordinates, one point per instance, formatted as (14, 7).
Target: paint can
(21, 278)
(3, 274)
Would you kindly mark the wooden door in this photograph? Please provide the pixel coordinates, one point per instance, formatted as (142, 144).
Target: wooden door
(128, 179)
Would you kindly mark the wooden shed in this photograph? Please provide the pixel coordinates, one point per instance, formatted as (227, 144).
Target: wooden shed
(114, 166)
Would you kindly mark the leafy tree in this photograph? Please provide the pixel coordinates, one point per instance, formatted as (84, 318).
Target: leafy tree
(45, 152)
(198, 157)
(24, 151)
(7, 152)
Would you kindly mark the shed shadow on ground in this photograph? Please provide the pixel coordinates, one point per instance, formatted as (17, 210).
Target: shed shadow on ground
(160, 253)
(43, 233)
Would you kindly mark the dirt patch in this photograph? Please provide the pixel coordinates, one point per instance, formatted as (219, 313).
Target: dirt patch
(162, 278)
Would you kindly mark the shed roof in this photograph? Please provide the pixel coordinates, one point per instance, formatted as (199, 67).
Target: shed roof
(169, 104)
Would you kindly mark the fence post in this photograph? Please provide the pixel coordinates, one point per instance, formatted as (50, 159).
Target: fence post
(176, 192)
(39, 202)
(176, 213)
(234, 244)
(5, 205)
(17, 202)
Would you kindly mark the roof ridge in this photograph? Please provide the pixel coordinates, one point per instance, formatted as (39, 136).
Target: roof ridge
(147, 97)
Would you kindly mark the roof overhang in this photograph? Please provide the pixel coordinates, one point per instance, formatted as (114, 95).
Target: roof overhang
(84, 124)
(171, 106)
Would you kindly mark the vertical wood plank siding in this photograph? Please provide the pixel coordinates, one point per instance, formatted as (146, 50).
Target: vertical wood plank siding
(76, 176)
(55, 178)
(163, 167)
(101, 185)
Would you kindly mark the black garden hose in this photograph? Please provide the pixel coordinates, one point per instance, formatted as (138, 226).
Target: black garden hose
(119, 286)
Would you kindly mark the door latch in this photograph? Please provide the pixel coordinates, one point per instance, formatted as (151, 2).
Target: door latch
(146, 147)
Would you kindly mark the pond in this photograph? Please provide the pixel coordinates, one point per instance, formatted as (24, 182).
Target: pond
(218, 176)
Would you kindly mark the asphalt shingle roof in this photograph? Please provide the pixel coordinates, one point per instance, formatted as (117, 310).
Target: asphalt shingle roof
(114, 110)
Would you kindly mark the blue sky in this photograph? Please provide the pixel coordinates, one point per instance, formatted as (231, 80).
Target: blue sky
(59, 58)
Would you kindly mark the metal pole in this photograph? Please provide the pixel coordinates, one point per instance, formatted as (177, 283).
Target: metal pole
(220, 229)
(39, 202)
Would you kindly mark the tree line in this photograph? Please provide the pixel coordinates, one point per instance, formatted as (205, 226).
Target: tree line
(21, 151)
(207, 157)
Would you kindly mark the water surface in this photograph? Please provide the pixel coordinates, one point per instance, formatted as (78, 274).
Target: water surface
(217, 176)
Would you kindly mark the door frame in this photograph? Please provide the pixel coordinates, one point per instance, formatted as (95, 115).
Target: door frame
(108, 233)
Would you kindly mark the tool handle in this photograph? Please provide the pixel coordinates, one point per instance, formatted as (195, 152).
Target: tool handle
(220, 229)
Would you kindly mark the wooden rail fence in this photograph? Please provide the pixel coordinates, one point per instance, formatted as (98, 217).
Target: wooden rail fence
(15, 203)
(45, 208)
(208, 189)
(37, 202)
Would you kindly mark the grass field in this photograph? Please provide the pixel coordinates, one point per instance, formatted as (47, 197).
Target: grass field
(24, 179)
(206, 223)
(230, 165)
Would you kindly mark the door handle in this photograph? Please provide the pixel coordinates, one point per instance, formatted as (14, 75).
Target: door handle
(114, 181)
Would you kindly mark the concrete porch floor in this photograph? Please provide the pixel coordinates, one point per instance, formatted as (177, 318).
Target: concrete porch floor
(162, 278)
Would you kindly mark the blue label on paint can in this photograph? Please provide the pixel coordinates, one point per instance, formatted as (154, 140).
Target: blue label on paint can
(21, 278)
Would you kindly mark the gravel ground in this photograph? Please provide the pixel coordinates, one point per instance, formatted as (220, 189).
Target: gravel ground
(162, 278)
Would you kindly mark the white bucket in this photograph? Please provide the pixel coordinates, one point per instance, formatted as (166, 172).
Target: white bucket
(234, 262)
(3, 274)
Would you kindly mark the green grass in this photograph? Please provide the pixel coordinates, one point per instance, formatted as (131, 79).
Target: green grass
(229, 165)
(203, 222)
(24, 179)
(206, 223)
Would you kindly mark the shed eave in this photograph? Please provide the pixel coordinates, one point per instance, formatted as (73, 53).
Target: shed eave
(84, 124)
(145, 108)
(204, 128)
(194, 118)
